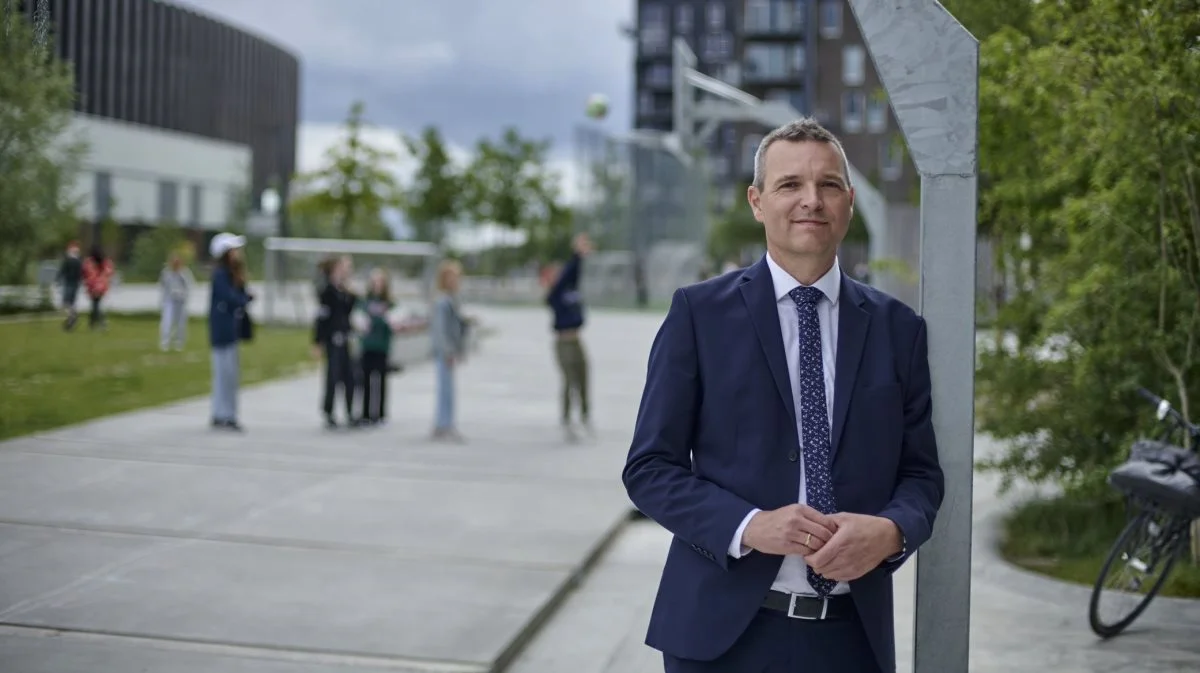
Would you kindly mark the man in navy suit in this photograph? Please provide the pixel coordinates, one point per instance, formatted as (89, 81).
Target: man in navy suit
(785, 439)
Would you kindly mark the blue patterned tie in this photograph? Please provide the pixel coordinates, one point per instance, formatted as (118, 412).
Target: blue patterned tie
(814, 416)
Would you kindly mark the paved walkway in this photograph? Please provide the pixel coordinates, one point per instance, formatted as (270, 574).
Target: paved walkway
(1019, 621)
(147, 542)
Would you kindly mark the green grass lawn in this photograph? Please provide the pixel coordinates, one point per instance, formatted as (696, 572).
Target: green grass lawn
(50, 378)
(1070, 540)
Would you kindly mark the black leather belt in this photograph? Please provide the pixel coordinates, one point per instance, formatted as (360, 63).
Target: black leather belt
(810, 607)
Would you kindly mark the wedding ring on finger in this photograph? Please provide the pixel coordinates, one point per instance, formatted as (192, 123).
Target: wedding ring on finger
(808, 541)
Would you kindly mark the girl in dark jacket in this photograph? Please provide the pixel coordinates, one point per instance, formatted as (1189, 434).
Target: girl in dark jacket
(376, 341)
(227, 310)
(332, 334)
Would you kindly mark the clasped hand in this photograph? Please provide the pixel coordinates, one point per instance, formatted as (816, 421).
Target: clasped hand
(840, 546)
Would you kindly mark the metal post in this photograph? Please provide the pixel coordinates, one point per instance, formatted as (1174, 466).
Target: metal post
(929, 65)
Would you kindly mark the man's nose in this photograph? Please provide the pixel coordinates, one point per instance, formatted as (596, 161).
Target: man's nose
(810, 197)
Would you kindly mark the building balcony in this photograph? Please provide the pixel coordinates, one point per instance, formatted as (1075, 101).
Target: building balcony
(791, 31)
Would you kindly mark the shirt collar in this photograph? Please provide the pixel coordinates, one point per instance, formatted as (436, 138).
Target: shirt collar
(830, 284)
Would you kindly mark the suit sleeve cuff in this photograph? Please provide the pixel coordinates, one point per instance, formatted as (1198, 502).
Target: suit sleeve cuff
(895, 558)
(736, 548)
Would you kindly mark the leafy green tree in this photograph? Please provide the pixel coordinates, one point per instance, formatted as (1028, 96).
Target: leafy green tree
(433, 199)
(1090, 139)
(152, 248)
(347, 197)
(38, 162)
(508, 183)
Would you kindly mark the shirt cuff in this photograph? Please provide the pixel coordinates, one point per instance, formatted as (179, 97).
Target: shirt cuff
(736, 548)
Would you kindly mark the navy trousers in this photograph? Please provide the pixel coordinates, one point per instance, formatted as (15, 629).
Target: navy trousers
(774, 643)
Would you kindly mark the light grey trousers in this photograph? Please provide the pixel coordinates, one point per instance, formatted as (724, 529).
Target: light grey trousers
(225, 374)
(173, 329)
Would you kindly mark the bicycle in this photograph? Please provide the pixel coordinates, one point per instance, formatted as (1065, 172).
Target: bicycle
(1161, 484)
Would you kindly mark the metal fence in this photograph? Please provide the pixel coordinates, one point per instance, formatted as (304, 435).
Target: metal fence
(646, 203)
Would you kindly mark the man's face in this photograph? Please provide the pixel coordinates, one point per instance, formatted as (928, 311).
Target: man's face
(805, 203)
(73, 250)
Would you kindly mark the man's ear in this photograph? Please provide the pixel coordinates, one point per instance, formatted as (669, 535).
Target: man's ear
(753, 196)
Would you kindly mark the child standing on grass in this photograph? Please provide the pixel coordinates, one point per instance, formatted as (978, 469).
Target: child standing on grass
(376, 342)
(70, 275)
(97, 273)
(176, 282)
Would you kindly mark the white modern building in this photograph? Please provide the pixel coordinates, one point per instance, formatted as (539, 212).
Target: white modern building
(183, 114)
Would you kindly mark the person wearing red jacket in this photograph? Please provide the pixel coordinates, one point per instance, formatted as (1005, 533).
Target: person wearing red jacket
(97, 274)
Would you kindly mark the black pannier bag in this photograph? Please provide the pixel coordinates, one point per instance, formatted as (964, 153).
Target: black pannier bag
(1165, 474)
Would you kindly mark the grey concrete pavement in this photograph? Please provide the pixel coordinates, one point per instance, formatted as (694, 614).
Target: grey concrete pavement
(147, 542)
(149, 538)
(1020, 621)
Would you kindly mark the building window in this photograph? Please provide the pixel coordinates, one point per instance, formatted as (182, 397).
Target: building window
(790, 96)
(799, 59)
(854, 65)
(658, 75)
(831, 19)
(774, 61)
(716, 15)
(102, 192)
(728, 137)
(645, 103)
(196, 214)
(168, 202)
(758, 16)
(654, 31)
(853, 107)
(774, 16)
(684, 19)
(729, 73)
(877, 113)
(716, 47)
(750, 145)
(891, 160)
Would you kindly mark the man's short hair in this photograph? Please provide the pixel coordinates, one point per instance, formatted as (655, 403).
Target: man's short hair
(805, 129)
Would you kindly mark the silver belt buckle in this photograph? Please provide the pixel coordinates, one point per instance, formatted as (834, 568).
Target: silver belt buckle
(791, 612)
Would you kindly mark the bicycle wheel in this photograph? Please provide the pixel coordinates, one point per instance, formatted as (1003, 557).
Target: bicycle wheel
(1141, 558)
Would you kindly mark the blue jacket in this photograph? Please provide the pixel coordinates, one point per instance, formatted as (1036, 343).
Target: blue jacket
(225, 309)
(564, 298)
(716, 436)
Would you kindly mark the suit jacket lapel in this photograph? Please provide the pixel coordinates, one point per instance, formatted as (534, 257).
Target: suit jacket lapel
(759, 293)
(853, 321)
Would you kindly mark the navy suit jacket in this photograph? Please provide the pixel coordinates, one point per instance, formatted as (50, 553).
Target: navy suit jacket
(716, 437)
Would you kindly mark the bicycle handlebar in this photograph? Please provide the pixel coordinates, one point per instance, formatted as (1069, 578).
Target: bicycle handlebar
(1157, 401)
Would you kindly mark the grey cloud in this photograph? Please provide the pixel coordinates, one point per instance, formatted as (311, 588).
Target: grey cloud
(468, 66)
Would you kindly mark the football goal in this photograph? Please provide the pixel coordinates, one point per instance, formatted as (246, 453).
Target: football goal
(292, 278)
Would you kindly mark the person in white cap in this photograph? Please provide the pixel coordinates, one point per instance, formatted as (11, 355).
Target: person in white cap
(226, 314)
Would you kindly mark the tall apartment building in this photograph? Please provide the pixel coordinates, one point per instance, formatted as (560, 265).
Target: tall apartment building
(807, 52)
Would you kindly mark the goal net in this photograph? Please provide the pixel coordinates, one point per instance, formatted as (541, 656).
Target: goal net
(292, 277)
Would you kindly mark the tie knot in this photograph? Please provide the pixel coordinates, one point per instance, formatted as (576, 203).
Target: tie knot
(806, 295)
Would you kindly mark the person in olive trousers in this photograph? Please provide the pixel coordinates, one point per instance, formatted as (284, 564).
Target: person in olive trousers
(566, 302)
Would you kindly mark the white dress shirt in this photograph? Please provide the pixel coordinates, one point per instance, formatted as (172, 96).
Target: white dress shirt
(793, 573)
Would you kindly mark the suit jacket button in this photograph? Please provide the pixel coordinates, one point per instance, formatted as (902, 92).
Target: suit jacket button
(793, 455)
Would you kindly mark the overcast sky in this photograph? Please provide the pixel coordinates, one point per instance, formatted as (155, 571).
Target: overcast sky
(471, 67)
